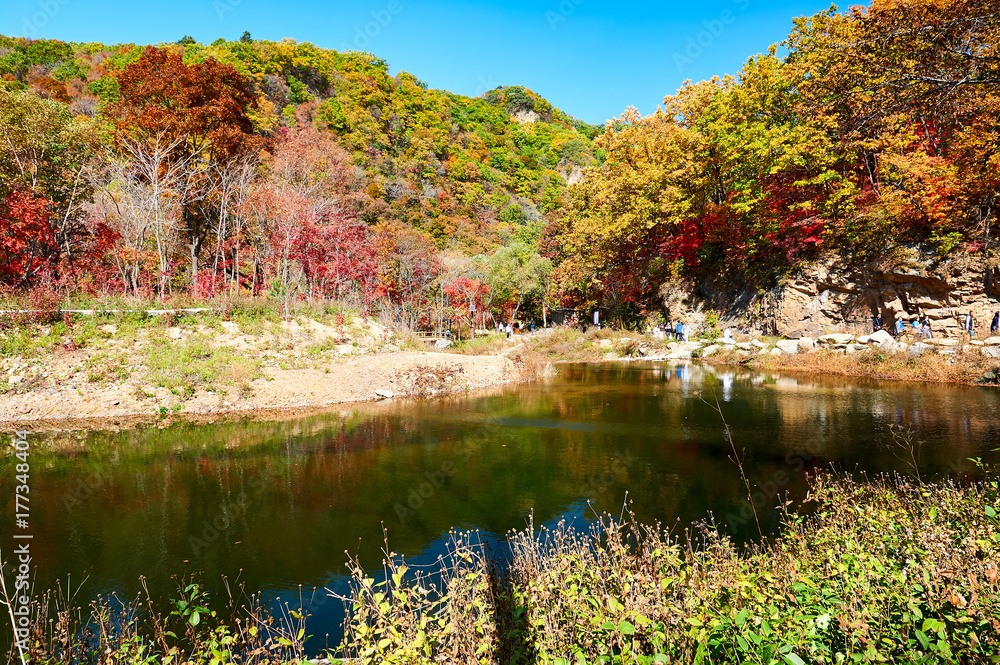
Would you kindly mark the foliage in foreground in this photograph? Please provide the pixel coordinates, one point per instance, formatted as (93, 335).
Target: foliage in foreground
(891, 570)
(112, 631)
(884, 571)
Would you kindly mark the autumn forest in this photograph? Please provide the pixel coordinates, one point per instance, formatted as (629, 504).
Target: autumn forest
(191, 172)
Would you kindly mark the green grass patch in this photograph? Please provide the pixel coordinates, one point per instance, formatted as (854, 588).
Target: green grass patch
(185, 366)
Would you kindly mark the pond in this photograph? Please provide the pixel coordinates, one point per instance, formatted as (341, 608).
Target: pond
(279, 505)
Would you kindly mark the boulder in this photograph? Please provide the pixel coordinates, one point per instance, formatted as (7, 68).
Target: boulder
(881, 337)
(990, 351)
(943, 342)
(806, 344)
(919, 349)
(384, 394)
(976, 342)
(776, 352)
(992, 341)
(864, 339)
(757, 343)
(788, 346)
(710, 349)
(442, 344)
(745, 346)
(836, 339)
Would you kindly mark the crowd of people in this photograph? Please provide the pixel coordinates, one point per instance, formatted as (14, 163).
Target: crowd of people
(921, 326)
(680, 331)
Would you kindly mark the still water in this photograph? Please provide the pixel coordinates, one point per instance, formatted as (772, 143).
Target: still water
(279, 505)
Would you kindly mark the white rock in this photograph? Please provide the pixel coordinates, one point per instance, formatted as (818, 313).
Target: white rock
(709, 350)
(745, 346)
(442, 344)
(759, 344)
(788, 346)
(14, 380)
(919, 349)
(864, 339)
(992, 341)
(605, 344)
(941, 341)
(976, 342)
(991, 351)
(806, 344)
(384, 393)
(881, 337)
(836, 338)
(775, 352)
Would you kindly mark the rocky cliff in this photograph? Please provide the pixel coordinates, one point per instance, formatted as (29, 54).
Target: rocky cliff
(832, 295)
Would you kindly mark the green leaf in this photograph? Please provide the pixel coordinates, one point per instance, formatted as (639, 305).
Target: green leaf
(625, 628)
(792, 659)
(195, 618)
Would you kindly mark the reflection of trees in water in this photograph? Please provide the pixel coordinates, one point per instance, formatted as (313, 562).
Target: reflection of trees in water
(294, 494)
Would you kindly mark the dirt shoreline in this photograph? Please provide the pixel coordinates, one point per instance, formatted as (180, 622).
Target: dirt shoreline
(280, 393)
(64, 402)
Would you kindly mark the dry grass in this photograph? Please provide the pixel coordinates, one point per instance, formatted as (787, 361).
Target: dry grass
(566, 344)
(896, 366)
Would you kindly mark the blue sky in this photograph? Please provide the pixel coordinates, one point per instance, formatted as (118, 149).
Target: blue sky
(591, 58)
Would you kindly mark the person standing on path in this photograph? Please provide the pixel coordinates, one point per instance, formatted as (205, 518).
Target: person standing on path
(969, 323)
(995, 324)
(678, 328)
(899, 327)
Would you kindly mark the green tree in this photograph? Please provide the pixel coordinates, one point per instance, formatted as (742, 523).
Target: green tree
(516, 274)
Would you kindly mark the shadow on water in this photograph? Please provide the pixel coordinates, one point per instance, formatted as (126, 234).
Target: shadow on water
(281, 505)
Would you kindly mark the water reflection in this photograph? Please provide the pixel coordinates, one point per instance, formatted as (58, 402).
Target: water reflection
(280, 504)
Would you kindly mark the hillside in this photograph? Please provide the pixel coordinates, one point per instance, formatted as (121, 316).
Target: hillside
(293, 173)
(461, 169)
